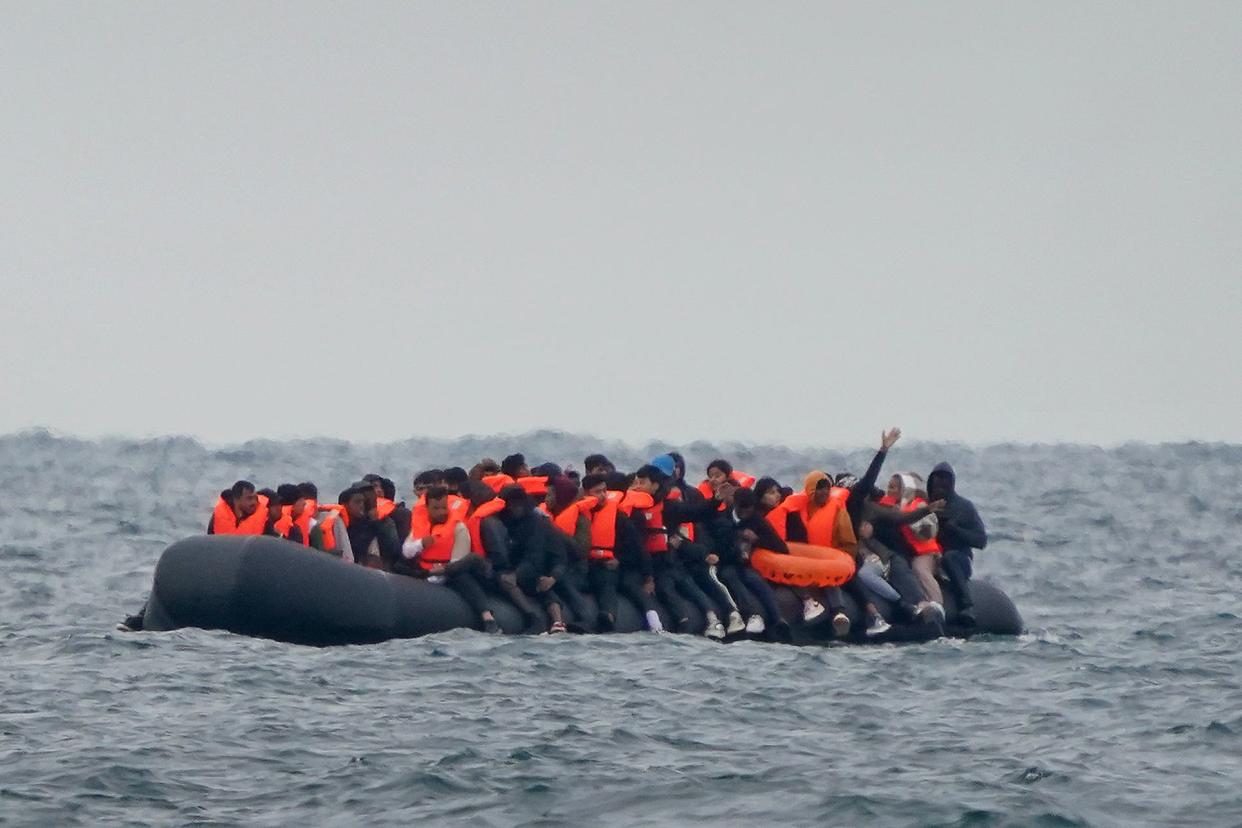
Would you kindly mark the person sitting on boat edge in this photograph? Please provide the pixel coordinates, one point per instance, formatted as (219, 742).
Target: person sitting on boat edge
(537, 558)
(353, 531)
(439, 548)
(673, 584)
(240, 510)
(960, 532)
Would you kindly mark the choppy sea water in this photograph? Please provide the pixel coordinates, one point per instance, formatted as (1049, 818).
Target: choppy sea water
(1122, 705)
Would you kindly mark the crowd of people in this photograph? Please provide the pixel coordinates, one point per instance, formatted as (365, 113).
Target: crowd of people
(548, 536)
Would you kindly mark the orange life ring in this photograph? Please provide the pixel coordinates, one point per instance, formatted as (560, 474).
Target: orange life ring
(804, 566)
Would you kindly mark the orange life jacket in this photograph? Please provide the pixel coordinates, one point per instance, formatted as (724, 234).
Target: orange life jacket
(778, 515)
(441, 549)
(655, 540)
(687, 529)
(327, 524)
(285, 522)
(921, 546)
(303, 521)
(567, 520)
(535, 486)
(821, 525)
(474, 523)
(604, 526)
(496, 482)
(224, 520)
(384, 507)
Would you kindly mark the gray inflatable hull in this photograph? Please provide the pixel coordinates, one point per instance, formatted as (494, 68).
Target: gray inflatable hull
(270, 588)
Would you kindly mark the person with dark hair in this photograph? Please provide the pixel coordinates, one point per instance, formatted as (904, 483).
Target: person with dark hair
(888, 526)
(960, 532)
(386, 505)
(561, 506)
(515, 466)
(284, 525)
(353, 530)
(489, 539)
(240, 510)
(455, 478)
(598, 464)
(536, 555)
(671, 580)
(618, 560)
(736, 532)
(439, 549)
(424, 480)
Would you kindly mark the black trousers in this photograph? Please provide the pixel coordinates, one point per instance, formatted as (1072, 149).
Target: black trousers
(630, 584)
(528, 579)
(958, 565)
(603, 584)
(902, 577)
(672, 583)
(753, 593)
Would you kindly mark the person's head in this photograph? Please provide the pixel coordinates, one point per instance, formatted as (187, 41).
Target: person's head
(308, 491)
(423, 481)
(894, 487)
(912, 486)
(666, 464)
(287, 494)
(476, 492)
(679, 466)
(515, 466)
(598, 464)
(594, 485)
(354, 499)
(941, 483)
(517, 502)
(455, 478)
(845, 480)
(437, 504)
(745, 501)
(548, 470)
(377, 483)
(245, 499)
(648, 479)
(562, 492)
(817, 487)
(768, 491)
(718, 473)
(574, 476)
(618, 481)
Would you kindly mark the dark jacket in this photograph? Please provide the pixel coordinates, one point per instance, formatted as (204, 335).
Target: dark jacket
(886, 522)
(726, 532)
(401, 518)
(533, 546)
(857, 503)
(362, 532)
(960, 524)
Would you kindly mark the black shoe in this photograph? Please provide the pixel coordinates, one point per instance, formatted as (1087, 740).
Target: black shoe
(533, 626)
(780, 632)
(491, 627)
(132, 623)
(604, 623)
(966, 618)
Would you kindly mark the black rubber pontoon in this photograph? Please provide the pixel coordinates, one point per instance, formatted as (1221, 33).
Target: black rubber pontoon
(271, 588)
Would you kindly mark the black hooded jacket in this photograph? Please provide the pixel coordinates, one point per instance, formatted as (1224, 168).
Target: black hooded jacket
(960, 525)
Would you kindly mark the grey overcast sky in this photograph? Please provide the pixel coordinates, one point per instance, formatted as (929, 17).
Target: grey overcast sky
(773, 222)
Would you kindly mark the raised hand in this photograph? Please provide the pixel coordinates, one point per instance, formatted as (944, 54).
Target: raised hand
(889, 438)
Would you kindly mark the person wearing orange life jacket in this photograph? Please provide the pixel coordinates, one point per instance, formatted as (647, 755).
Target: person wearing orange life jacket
(489, 539)
(353, 530)
(686, 518)
(387, 505)
(286, 498)
(817, 515)
(561, 505)
(240, 510)
(618, 561)
(908, 492)
(439, 549)
(672, 583)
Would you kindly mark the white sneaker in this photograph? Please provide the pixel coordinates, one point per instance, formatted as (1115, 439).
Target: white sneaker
(840, 625)
(811, 609)
(715, 631)
(736, 624)
(435, 579)
(878, 626)
(755, 625)
(653, 621)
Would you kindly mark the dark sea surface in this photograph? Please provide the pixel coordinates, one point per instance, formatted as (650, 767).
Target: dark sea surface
(1122, 705)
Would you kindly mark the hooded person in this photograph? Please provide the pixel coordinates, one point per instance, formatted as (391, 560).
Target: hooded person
(573, 531)
(960, 531)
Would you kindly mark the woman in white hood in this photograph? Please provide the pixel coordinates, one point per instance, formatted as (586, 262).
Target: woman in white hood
(921, 535)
